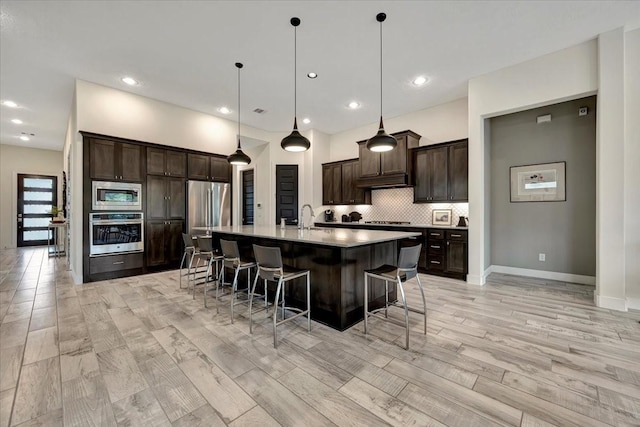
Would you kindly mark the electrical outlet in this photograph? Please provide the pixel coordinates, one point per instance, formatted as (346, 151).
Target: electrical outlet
(542, 257)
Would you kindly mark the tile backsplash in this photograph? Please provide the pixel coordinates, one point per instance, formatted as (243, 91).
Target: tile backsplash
(396, 204)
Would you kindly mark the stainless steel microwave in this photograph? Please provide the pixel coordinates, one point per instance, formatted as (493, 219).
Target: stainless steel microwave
(111, 196)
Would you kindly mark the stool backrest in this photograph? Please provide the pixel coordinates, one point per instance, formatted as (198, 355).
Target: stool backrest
(408, 259)
(205, 244)
(188, 241)
(269, 260)
(230, 248)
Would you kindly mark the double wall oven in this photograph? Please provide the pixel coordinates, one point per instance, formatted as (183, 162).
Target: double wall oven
(118, 226)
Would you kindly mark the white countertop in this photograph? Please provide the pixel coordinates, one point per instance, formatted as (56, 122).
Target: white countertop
(356, 224)
(342, 237)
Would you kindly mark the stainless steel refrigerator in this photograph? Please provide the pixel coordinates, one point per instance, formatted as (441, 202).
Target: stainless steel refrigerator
(208, 205)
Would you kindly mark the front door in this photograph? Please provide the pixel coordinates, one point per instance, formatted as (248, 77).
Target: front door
(247, 197)
(287, 193)
(37, 194)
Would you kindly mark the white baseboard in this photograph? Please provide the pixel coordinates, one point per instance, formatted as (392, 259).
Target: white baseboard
(478, 280)
(619, 304)
(551, 275)
(633, 303)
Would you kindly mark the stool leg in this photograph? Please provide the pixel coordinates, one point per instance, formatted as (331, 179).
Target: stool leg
(366, 301)
(308, 303)
(275, 314)
(220, 284)
(234, 288)
(184, 256)
(406, 312)
(266, 306)
(253, 290)
(424, 304)
(283, 301)
(386, 298)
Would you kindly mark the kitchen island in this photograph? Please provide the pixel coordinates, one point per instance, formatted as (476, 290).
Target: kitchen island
(336, 259)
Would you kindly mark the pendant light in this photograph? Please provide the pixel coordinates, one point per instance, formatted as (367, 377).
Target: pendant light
(381, 141)
(295, 141)
(239, 158)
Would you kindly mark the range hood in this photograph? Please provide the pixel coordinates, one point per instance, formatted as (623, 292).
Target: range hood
(389, 169)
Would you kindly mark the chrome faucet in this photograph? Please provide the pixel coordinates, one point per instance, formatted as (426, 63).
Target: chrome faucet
(301, 224)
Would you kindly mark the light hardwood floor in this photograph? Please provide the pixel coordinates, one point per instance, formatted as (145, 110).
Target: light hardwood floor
(141, 351)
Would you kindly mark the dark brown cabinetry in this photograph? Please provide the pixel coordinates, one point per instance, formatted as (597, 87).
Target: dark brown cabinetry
(339, 184)
(390, 168)
(115, 161)
(208, 168)
(166, 162)
(165, 198)
(441, 173)
(163, 242)
(447, 252)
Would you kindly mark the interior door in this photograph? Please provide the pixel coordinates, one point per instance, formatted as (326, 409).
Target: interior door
(287, 193)
(247, 197)
(37, 194)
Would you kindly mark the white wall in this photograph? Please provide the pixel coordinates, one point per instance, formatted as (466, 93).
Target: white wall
(446, 122)
(631, 169)
(15, 159)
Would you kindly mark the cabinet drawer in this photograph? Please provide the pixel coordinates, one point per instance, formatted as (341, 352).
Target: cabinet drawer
(435, 247)
(457, 235)
(435, 262)
(434, 233)
(109, 263)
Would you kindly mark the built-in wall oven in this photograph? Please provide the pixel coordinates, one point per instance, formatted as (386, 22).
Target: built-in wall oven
(112, 196)
(115, 232)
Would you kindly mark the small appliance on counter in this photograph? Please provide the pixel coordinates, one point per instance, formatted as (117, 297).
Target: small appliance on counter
(355, 216)
(346, 218)
(328, 216)
(463, 221)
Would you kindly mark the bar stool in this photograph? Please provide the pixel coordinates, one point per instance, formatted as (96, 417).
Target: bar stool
(231, 259)
(270, 268)
(205, 246)
(190, 252)
(406, 269)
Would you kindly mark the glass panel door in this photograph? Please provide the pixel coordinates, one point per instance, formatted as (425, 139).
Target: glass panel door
(37, 195)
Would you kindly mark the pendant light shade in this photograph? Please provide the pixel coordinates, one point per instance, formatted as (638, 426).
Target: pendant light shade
(295, 141)
(239, 158)
(381, 141)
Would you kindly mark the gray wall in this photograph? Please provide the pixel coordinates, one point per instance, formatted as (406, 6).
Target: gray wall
(564, 231)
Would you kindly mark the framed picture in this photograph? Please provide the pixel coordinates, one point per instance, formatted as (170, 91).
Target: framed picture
(543, 182)
(441, 217)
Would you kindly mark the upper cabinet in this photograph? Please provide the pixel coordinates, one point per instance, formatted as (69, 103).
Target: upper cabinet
(115, 161)
(441, 173)
(387, 169)
(208, 168)
(166, 162)
(339, 184)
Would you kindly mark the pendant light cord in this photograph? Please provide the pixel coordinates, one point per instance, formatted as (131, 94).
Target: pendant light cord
(238, 108)
(380, 70)
(295, 72)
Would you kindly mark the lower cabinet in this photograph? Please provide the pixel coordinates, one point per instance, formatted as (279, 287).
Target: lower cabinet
(118, 262)
(447, 252)
(163, 242)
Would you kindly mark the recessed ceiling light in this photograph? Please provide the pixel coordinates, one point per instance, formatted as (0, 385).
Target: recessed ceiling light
(130, 81)
(16, 121)
(354, 104)
(312, 75)
(224, 110)
(306, 120)
(24, 138)
(10, 104)
(420, 80)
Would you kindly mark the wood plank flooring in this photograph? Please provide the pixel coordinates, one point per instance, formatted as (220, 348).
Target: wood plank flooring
(140, 351)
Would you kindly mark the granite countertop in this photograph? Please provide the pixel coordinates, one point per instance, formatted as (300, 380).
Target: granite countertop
(342, 237)
(357, 224)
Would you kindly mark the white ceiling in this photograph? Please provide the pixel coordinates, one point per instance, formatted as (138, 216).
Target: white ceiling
(183, 52)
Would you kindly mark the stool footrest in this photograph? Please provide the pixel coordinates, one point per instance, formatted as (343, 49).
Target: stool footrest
(298, 314)
(388, 319)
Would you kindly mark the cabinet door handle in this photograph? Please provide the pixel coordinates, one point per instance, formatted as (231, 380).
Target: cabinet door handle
(118, 262)
(435, 234)
(169, 198)
(435, 246)
(456, 235)
(434, 262)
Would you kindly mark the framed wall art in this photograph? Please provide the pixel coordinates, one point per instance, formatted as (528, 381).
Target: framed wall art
(544, 182)
(441, 217)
